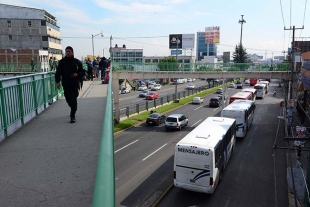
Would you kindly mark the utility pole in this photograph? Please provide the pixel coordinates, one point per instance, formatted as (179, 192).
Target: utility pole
(292, 58)
(176, 83)
(241, 22)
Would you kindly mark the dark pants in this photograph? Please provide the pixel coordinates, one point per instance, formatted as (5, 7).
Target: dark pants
(71, 93)
(103, 74)
(90, 74)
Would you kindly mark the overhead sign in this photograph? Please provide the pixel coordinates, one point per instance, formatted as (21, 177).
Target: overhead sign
(174, 52)
(212, 35)
(181, 41)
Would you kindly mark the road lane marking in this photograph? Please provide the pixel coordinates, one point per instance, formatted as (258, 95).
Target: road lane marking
(198, 107)
(196, 123)
(155, 151)
(216, 109)
(136, 100)
(125, 146)
(122, 109)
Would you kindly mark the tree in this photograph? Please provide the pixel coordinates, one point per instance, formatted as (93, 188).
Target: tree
(168, 64)
(240, 54)
(240, 58)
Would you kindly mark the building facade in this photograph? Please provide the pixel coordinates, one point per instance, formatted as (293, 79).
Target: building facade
(202, 47)
(28, 33)
(126, 57)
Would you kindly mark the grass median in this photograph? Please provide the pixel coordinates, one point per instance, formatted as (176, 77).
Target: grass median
(131, 121)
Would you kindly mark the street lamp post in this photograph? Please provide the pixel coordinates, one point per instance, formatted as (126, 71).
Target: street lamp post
(92, 38)
(241, 22)
(176, 83)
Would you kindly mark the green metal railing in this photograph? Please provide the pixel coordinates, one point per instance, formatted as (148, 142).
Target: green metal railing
(23, 97)
(199, 67)
(104, 192)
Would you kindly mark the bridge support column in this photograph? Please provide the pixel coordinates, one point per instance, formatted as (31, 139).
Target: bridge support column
(115, 88)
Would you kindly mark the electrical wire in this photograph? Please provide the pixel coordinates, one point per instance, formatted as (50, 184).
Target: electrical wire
(282, 13)
(299, 165)
(303, 22)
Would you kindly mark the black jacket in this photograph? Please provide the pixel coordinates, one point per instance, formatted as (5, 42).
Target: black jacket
(66, 68)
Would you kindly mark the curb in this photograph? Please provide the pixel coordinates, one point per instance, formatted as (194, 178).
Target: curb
(159, 200)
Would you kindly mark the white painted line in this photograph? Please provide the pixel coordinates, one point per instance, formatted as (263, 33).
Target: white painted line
(123, 109)
(216, 109)
(198, 107)
(136, 101)
(250, 143)
(125, 146)
(196, 123)
(155, 152)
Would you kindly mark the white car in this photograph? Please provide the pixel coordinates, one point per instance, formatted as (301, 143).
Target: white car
(151, 85)
(125, 90)
(142, 88)
(155, 87)
(190, 86)
(197, 100)
(246, 82)
(189, 80)
(232, 85)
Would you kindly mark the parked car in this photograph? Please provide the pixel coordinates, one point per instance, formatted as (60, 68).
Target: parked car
(190, 86)
(232, 85)
(247, 82)
(189, 80)
(155, 119)
(125, 90)
(155, 87)
(197, 100)
(151, 96)
(239, 84)
(215, 101)
(144, 93)
(219, 91)
(151, 85)
(176, 121)
(142, 88)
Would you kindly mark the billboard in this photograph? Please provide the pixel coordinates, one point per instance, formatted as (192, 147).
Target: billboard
(212, 35)
(181, 41)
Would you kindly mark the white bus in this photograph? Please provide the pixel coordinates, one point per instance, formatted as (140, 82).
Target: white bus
(266, 83)
(261, 90)
(202, 155)
(243, 112)
(251, 90)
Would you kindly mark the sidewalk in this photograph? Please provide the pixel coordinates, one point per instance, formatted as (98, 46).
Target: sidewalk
(50, 162)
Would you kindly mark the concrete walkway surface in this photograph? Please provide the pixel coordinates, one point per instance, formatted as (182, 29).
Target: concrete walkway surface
(50, 162)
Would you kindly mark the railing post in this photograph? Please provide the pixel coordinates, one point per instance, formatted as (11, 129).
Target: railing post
(44, 90)
(179, 95)
(127, 111)
(155, 103)
(173, 96)
(147, 105)
(21, 100)
(187, 92)
(137, 108)
(183, 94)
(3, 108)
(35, 96)
(168, 99)
(162, 100)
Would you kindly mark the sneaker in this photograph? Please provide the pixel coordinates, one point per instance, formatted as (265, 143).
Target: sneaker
(72, 120)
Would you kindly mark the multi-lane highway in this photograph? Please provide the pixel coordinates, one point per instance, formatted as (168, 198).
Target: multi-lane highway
(144, 162)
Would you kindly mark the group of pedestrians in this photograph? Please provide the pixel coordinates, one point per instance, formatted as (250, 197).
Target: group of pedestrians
(97, 69)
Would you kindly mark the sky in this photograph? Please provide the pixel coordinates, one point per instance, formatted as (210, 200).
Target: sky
(146, 24)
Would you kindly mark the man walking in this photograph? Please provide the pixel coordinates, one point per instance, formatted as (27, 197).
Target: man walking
(89, 69)
(70, 71)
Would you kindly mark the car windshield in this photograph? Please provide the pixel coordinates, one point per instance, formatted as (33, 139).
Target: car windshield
(232, 84)
(214, 99)
(151, 94)
(171, 119)
(197, 98)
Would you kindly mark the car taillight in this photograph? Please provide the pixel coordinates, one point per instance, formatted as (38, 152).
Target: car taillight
(211, 181)
(218, 102)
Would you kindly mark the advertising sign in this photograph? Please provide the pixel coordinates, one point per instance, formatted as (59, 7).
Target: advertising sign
(212, 35)
(174, 52)
(181, 41)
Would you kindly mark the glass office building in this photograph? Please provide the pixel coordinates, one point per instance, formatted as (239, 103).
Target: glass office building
(202, 47)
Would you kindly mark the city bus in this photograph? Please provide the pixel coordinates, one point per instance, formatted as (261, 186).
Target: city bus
(243, 112)
(253, 81)
(202, 155)
(266, 83)
(241, 96)
(261, 90)
(253, 91)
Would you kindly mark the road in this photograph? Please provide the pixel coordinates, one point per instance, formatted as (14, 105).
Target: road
(144, 162)
(132, 98)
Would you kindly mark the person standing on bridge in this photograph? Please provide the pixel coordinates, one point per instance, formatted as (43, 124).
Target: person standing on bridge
(69, 72)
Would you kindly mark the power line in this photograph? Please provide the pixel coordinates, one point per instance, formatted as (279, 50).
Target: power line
(282, 13)
(303, 22)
